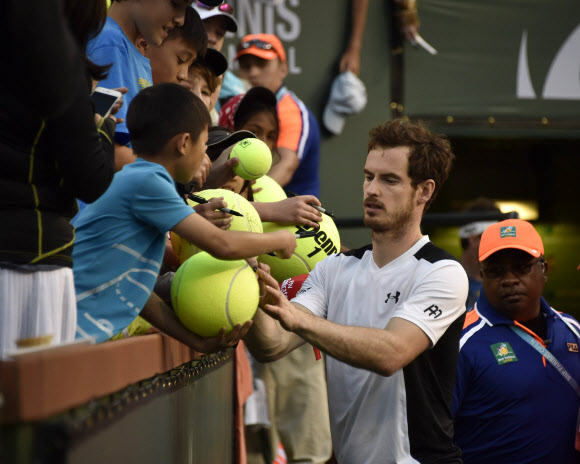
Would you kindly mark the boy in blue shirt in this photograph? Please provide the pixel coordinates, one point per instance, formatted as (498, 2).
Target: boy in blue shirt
(126, 21)
(170, 62)
(121, 237)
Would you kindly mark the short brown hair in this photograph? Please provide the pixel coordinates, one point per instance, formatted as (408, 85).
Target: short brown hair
(206, 73)
(430, 154)
(159, 112)
(192, 32)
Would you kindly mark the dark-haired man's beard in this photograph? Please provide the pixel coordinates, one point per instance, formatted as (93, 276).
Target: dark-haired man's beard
(395, 223)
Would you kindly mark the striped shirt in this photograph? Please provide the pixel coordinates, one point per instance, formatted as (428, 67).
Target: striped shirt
(300, 133)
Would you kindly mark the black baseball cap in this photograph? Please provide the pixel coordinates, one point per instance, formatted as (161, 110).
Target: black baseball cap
(212, 3)
(220, 138)
(215, 61)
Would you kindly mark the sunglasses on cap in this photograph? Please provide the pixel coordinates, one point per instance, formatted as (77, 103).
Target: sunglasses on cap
(256, 43)
(224, 7)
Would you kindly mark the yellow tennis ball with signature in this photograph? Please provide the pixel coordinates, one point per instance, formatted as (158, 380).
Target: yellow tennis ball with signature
(255, 158)
(208, 294)
(248, 222)
(309, 251)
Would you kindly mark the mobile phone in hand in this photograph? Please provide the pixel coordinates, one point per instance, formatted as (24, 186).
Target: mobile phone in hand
(104, 100)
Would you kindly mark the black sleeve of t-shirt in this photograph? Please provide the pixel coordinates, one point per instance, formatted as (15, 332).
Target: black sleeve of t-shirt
(41, 65)
(429, 384)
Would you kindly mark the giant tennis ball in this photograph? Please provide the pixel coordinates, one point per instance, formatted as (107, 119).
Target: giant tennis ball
(271, 190)
(308, 252)
(249, 222)
(255, 158)
(208, 294)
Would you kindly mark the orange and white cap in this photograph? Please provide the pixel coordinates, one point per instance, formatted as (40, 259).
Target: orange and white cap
(265, 46)
(512, 233)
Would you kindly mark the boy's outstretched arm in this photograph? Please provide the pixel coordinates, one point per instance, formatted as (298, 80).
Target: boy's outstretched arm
(162, 317)
(295, 210)
(233, 244)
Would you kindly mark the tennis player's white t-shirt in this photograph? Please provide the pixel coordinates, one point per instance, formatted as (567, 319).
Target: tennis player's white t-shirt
(404, 418)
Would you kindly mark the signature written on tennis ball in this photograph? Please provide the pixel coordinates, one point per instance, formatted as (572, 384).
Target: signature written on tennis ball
(321, 238)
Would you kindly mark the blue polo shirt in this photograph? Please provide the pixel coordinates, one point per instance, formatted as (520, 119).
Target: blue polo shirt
(119, 247)
(510, 405)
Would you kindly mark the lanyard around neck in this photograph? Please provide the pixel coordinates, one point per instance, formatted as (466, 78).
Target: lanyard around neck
(548, 355)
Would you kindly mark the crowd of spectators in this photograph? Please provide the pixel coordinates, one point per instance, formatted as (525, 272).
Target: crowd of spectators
(130, 173)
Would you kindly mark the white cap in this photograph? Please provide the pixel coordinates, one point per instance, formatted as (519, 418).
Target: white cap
(474, 228)
(205, 13)
(348, 95)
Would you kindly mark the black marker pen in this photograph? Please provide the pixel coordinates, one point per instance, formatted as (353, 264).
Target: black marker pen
(199, 199)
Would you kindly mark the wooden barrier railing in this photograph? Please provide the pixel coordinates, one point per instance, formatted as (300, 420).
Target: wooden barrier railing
(143, 399)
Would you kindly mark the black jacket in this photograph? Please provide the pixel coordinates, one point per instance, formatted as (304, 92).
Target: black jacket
(48, 157)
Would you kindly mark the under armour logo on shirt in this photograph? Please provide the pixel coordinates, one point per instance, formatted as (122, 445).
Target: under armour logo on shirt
(394, 297)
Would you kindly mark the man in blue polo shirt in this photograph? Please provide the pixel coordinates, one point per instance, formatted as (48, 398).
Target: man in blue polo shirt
(516, 398)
